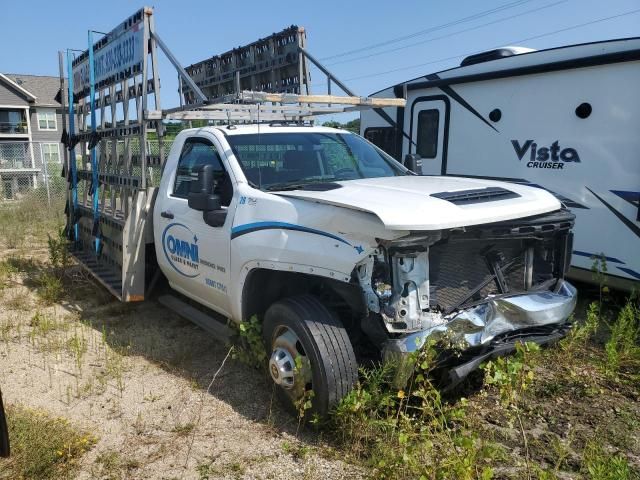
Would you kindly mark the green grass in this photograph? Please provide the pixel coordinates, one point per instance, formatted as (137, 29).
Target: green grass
(415, 433)
(42, 446)
(29, 221)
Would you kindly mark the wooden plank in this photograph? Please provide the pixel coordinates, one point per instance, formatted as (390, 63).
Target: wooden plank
(337, 99)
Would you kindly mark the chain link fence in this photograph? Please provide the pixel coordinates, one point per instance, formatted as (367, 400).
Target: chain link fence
(33, 170)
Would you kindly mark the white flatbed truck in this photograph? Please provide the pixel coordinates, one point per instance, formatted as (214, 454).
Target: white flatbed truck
(336, 247)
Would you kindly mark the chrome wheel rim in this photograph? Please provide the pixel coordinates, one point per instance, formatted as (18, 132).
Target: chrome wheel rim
(289, 365)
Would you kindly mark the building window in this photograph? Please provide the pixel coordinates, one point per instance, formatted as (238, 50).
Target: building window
(51, 152)
(47, 120)
(428, 126)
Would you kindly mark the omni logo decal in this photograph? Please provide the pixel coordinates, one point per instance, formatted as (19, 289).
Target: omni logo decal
(180, 246)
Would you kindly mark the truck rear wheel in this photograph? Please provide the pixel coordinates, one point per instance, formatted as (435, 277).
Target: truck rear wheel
(310, 351)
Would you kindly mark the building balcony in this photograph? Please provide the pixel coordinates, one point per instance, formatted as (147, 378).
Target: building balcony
(16, 156)
(14, 128)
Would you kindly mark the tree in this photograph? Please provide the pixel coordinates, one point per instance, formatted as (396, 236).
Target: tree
(352, 125)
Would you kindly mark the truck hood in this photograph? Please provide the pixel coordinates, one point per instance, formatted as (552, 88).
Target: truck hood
(405, 203)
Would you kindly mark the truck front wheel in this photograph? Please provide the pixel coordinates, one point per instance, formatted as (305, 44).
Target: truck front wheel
(311, 357)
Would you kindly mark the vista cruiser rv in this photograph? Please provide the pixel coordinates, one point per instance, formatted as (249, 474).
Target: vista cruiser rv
(563, 119)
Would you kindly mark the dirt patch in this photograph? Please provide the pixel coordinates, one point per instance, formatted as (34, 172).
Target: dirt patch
(141, 379)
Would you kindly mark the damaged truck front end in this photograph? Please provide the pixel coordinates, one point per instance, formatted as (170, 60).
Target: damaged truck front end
(477, 290)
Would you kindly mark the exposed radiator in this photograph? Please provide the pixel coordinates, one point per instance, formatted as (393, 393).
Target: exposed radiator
(456, 269)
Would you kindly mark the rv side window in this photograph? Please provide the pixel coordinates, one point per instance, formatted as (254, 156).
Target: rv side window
(383, 138)
(428, 122)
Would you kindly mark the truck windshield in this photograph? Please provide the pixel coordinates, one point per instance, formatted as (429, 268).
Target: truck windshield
(281, 161)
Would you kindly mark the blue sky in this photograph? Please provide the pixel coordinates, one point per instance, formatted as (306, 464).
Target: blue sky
(195, 30)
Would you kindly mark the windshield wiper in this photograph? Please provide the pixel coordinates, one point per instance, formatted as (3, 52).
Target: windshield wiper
(281, 187)
(295, 185)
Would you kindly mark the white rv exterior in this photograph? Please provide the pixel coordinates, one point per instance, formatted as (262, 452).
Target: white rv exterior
(564, 119)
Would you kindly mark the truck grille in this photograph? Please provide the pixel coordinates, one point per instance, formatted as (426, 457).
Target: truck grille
(456, 269)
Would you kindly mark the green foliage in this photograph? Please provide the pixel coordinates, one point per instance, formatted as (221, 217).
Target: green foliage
(622, 348)
(512, 375)
(58, 250)
(7, 272)
(352, 125)
(599, 273)
(42, 447)
(252, 351)
(50, 288)
(583, 332)
(412, 433)
(29, 220)
(600, 465)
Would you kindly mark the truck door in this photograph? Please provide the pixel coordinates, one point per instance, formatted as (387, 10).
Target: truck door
(429, 120)
(194, 256)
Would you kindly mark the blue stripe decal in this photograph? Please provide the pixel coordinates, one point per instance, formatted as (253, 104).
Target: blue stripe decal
(595, 255)
(253, 227)
(632, 197)
(633, 273)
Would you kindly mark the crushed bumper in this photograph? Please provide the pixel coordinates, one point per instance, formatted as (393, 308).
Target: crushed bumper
(482, 329)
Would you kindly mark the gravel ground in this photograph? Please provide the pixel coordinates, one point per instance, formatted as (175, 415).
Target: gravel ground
(164, 399)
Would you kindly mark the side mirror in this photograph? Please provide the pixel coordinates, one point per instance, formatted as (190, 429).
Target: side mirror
(413, 162)
(202, 198)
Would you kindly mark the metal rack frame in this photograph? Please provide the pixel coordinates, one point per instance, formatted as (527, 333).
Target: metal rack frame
(111, 87)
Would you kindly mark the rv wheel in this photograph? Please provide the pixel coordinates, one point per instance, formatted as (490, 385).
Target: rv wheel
(311, 357)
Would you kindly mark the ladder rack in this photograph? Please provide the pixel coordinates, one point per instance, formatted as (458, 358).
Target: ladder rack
(263, 106)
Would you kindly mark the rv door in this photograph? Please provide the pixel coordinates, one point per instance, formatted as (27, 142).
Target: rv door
(429, 119)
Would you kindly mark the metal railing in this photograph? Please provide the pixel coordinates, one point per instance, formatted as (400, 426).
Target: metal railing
(17, 128)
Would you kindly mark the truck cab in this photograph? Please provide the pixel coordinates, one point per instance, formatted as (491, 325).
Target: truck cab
(338, 249)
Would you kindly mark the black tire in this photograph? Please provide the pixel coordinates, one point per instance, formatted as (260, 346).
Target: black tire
(334, 370)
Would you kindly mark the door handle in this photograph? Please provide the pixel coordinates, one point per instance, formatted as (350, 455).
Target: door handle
(167, 214)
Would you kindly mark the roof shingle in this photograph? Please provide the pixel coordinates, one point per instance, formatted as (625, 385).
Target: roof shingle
(46, 89)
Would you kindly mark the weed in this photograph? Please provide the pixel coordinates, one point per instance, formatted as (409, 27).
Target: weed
(412, 433)
(512, 375)
(252, 351)
(42, 447)
(77, 346)
(183, 430)
(622, 348)
(7, 272)
(111, 466)
(298, 451)
(600, 465)
(208, 470)
(19, 300)
(582, 333)
(114, 368)
(58, 250)
(599, 274)
(50, 288)
(42, 324)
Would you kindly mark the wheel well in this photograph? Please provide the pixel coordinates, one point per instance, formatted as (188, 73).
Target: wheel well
(264, 287)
